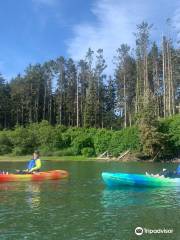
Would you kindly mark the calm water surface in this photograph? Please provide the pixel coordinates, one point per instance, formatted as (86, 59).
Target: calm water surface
(82, 208)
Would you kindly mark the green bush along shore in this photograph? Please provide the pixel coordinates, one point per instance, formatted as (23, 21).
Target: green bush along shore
(88, 142)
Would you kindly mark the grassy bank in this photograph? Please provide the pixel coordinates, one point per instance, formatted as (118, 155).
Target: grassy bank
(10, 158)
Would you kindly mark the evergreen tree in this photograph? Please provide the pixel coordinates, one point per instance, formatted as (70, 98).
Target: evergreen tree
(155, 77)
(4, 103)
(61, 90)
(82, 89)
(152, 140)
(71, 98)
(110, 103)
(125, 80)
(91, 101)
(99, 76)
(18, 98)
(79, 94)
(142, 45)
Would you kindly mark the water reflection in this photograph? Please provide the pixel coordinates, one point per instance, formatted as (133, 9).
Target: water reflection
(7, 186)
(33, 197)
(31, 190)
(149, 197)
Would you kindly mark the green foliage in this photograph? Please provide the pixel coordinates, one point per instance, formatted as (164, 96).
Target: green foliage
(4, 140)
(46, 134)
(171, 127)
(24, 138)
(65, 152)
(5, 143)
(102, 139)
(81, 142)
(88, 152)
(150, 138)
(19, 151)
(66, 140)
(153, 141)
(126, 139)
(4, 149)
(46, 151)
(61, 128)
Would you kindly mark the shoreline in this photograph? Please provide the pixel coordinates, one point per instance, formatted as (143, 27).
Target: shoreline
(175, 160)
(131, 158)
(26, 158)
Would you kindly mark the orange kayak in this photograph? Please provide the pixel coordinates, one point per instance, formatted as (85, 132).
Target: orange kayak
(39, 176)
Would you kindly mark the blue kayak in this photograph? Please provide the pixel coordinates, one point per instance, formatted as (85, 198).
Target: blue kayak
(128, 179)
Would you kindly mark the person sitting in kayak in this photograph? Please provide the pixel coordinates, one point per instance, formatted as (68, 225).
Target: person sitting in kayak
(171, 174)
(163, 173)
(178, 170)
(34, 165)
(166, 173)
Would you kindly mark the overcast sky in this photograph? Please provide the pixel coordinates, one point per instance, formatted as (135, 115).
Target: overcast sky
(34, 31)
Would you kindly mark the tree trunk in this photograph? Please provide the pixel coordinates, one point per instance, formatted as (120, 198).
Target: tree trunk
(77, 104)
(44, 105)
(164, 76)
(125, 105)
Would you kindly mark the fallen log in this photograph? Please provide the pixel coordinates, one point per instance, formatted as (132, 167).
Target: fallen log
(103, 154)
(123, 154)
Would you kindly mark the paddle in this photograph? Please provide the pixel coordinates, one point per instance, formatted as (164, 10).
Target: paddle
(22, 171)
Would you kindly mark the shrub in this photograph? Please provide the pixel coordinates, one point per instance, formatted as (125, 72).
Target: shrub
(88, 152)
(46, 151)
(5, 143)
(123, 140)
(4, 140)
(81, 142)
(65, 152)
(66, 140)
(19, 151)
(61, 128)
(63, 141)
(171, 127)
(46, 134)
(102, 139)
(74, 132)
(4, 149)
(24, 139)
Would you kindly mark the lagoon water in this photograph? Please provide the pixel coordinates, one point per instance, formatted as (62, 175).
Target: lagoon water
(83, 208)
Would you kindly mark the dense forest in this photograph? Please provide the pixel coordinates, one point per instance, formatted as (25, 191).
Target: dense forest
(65, 92)
(62, 94)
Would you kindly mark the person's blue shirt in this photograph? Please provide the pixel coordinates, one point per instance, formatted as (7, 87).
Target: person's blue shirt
(31, 164)
(178, 169)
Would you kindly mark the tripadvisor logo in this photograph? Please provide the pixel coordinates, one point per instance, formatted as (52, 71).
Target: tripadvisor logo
(139, 231)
